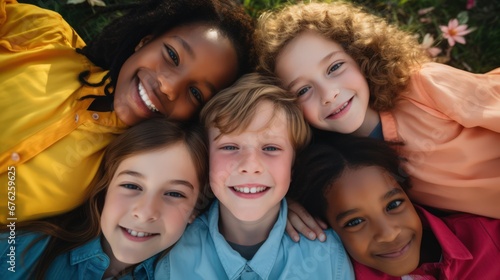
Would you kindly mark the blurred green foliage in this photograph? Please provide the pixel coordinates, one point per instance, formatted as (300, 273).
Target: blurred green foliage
(479, 54)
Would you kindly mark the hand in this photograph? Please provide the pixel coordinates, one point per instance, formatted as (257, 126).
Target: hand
(300, 220)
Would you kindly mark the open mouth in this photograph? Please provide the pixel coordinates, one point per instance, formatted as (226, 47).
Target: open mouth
(139, 234)
(145, 98)
(250, 189)
(338, 113)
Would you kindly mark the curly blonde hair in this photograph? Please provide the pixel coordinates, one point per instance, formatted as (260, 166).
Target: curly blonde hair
(386, 55)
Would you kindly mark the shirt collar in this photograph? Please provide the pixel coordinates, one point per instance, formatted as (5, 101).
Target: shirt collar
(263, 261)
(89, 250)
(92, 250)
(452, 247)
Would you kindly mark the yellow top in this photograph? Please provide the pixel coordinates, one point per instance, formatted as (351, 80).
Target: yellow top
(449, 121)
(50, 141)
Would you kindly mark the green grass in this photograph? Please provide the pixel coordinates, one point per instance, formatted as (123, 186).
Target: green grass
(480, 53)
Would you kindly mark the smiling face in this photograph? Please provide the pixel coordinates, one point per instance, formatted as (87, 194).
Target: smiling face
(174, 74)
(149, 203)
(250, 170)
(333, 92)
(375, 220)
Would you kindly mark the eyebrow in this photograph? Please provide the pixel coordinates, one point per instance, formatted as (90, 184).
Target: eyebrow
(325, 58)
(391, 193)
(171, 182)
(345, 214)
(387, 195)
(186, 46)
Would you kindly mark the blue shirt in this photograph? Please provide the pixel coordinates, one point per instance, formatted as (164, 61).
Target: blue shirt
(203, 253)
(85, 262)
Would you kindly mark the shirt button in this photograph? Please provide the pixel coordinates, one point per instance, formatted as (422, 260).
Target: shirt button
(95, 116)
(77, 117)
(15, 157)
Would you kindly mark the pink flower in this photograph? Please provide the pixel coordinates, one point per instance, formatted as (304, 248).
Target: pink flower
(427, 43)
(454, 32)
(470, 4)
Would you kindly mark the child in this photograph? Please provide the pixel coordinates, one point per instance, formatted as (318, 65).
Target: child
(355, 74)
(254, 129)
(359, 189)
(142, 198)
(165, 58)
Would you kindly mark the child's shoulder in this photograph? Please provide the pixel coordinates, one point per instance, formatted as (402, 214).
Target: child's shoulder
(332, 241)
(439, 72)
(14, 260)
(24, 27)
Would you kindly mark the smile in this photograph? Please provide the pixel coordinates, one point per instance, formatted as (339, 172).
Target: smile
(341, 108)
(138, 233)
(250, 189)
(396, 253)
(145, 99)
(340, 111)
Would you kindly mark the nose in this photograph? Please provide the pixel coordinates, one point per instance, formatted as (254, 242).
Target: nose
(146, 210)
(250, 162)
(169, 85)
(329, 95)
(386, 231)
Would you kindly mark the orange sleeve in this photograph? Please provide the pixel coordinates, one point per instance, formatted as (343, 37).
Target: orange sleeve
(473, 100)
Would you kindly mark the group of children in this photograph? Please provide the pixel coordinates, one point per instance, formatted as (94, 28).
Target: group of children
(338, 69)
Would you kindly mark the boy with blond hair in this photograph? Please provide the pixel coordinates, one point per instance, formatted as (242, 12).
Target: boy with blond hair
(254, 129)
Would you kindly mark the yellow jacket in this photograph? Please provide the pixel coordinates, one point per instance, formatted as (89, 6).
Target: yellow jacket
(50, 142)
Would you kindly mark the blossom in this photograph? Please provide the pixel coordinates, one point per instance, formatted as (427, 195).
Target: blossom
(427, 43)
(455, 32)
(91, 2)
(470, 4)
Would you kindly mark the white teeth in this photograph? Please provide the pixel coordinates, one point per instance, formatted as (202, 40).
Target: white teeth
(138, 234)
(249, 190)
(145, 99)
(341, 108)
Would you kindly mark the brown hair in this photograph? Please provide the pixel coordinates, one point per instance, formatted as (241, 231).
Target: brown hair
(386, 55)
(233, 108)
(77, 227)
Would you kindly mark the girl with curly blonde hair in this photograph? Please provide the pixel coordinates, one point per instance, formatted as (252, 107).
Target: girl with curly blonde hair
(356, 74)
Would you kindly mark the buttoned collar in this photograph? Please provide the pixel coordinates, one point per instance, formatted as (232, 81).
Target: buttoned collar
(263, 261)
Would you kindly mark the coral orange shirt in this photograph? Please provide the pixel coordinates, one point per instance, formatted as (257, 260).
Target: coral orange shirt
(449, 122)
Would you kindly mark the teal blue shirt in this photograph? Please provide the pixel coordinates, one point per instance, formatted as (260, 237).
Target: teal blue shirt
(203, 253)
(85, 262)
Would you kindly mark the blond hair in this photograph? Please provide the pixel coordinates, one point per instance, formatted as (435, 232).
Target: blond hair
(386, 55)
(234, 108)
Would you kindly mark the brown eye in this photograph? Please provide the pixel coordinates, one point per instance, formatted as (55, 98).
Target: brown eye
(394, 204)
(172, 54)
(197, 94)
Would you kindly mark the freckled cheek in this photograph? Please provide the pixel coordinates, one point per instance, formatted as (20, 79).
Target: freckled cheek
(222, 163)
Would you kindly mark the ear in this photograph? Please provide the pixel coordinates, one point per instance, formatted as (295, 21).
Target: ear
(192, 217)
(143, 42)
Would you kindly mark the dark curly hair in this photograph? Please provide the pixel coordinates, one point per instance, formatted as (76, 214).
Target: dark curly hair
(323, 162)
(386, 55)
(117, 41)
